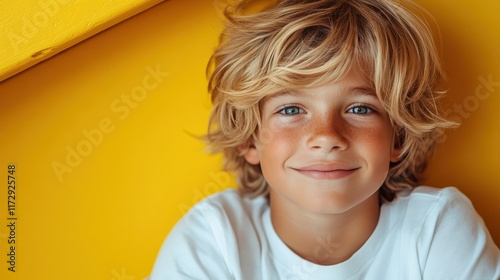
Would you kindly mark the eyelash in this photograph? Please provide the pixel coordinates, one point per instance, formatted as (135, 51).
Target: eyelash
(290, 106)
(370, 109)
(282, 110)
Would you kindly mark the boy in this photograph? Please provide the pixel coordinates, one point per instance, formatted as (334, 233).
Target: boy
(327, 112)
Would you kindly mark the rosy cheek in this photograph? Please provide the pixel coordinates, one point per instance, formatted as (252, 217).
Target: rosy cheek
(378, 144)
(266, 136)
(276, 130)
(278, 143)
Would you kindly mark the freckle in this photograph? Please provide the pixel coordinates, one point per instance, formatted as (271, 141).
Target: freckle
(302, 130)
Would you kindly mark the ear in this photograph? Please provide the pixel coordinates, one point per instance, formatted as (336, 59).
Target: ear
(395, 153)
(250, 153)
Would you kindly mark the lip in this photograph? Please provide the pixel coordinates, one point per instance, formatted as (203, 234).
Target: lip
(329, 171)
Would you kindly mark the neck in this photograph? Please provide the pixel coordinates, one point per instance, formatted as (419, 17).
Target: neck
(325, 239)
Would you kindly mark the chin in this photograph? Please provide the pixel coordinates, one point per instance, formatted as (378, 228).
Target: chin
(337, 203)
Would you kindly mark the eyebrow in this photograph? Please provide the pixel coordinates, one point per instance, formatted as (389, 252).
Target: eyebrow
(362, 91)
(280, 94)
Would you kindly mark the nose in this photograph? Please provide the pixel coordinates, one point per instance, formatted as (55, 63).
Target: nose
(327, 133)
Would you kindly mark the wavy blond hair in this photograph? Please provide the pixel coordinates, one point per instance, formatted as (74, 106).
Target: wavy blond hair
(300, 43)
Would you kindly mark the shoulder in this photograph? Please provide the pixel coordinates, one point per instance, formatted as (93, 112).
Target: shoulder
(449, 236)
(427, 211)
(421, 204)
(219, 213)
(431, 196)
(419, 213)
(228, 205)
(206, 242)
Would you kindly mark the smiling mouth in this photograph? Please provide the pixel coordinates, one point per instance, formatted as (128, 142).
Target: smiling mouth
(322, 173)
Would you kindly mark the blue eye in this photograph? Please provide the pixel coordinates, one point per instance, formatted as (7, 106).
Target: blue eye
(360, 110)
(291, 110)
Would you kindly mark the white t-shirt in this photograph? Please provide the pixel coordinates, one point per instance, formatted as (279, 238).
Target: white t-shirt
(425, 233)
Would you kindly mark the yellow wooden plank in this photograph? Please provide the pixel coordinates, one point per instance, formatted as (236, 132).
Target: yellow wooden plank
(34, 30)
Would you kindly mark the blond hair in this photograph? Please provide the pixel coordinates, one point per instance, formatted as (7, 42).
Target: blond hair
(300, 43)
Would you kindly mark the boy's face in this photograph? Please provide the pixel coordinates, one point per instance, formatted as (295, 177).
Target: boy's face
(325, 149)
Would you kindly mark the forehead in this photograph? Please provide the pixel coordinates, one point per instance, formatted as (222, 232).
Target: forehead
(354, 82)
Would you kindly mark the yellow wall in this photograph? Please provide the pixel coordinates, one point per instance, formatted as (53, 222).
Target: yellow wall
(105, 164)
